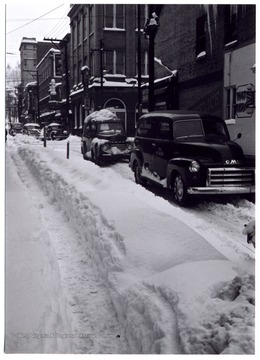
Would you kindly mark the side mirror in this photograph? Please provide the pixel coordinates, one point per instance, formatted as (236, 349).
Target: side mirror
(239, 135)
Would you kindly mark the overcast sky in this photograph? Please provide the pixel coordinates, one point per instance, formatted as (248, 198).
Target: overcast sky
(34, 19)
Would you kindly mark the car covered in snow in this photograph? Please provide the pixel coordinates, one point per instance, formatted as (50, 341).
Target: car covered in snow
(32, 129)
(104, 138)
(16, 128)
(190, 153)
(54, 131)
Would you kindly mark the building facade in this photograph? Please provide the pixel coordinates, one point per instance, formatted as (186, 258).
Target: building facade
(211, 55)
(104, 53)
(49, 74)
(31, 53)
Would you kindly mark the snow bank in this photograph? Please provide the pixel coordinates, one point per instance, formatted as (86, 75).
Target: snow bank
(169, 285)
(35, 302)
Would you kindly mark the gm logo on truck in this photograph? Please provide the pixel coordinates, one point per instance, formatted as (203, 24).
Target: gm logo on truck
(232, 162)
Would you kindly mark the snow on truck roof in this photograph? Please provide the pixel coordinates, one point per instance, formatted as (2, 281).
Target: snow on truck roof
(101, 115)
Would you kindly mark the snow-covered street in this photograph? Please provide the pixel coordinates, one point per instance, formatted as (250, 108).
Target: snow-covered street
(96, 264)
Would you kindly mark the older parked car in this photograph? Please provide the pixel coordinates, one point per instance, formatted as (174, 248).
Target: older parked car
(54, 131)
(32, 129)
(16, 128)
(190, 153)
(104, 138)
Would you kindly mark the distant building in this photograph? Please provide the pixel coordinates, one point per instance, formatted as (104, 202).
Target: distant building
(28, 60)
(31, 53)
(49, 72)
(104, 49)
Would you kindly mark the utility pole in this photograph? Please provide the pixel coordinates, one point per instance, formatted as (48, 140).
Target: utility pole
(150, 30)
(139, 59)
(65, 41)
(101, 52)
(38, 96)
(101, 71)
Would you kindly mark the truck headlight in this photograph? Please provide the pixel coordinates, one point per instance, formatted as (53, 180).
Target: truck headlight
(105, 147)
(194, 167)
(130, 147)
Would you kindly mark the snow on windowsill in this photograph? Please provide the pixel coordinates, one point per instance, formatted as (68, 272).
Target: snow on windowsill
(201, 55)
(113, 29)
(231, 43)
(230, 121)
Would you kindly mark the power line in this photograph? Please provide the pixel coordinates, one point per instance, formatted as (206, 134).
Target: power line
(34, 20)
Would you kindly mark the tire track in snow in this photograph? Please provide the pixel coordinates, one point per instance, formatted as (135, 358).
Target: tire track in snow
(94, 321)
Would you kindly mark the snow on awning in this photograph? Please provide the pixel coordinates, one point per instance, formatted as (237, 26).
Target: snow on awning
(47, 113)
(162, 81)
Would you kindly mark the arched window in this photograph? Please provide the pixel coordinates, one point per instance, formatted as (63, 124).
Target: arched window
(117, 107)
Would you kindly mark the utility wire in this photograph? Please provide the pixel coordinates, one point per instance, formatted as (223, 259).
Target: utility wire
(34, 20)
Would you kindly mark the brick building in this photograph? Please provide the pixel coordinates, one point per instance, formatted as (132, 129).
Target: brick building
(31, 53)
(104, 43)
(211, 53)
(49, 71)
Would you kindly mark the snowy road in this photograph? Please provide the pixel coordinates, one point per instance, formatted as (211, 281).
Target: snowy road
(129, 272)
(92, 324)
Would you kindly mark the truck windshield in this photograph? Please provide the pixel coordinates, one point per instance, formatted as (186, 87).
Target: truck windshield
(198, 127)
(214, 127)
(111, 128)
(188, 128)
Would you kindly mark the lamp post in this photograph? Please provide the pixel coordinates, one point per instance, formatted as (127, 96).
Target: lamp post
(150, 29)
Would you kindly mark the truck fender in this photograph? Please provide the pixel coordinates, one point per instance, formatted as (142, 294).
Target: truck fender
(178, 166)
(136, 155)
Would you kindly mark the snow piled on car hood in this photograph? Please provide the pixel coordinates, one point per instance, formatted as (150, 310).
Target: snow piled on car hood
(101, 115)
(172, 290)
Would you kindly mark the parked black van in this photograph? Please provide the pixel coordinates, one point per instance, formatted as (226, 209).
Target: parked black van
(104, 138)
(190, 153)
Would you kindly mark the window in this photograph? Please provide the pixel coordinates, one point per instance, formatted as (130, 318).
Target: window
(187, 128)
(147, 128)
(115, 62)
(143, 15)
(91, 14)
(164, 131)
(201, 35)
(144, 63)
(79, 32)
(230, 103)
(85, 26)
(114, 16)
(230, 23)
(74, 40)
(58, 65)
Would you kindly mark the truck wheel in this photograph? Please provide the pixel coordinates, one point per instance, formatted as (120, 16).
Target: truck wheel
(180, 190)
(138, 177)
(95, 158)
(83, 152)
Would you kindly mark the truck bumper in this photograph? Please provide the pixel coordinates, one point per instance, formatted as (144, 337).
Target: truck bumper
(221, 190)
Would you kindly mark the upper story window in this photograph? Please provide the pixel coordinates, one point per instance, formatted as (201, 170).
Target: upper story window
(114, 16)
(115, 62)
(201, 26)
(230, 23)
(143, 15)
(90, 16)
(85, 26)
(144, 63)
(74, 40)
(79, 32)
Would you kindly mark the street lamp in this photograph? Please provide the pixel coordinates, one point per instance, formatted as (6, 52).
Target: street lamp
(150, 29)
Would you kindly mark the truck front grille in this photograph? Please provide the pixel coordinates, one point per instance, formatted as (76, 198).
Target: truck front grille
(230, 177)
(121, 147)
